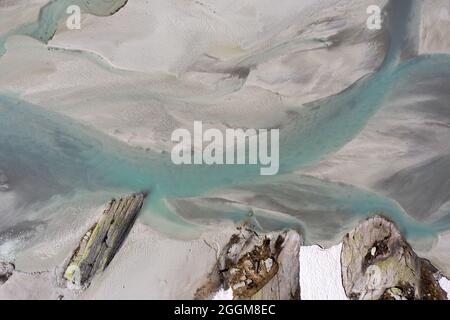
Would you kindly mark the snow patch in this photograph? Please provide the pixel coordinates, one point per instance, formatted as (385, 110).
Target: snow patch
(223, 294)
(320, 273)
(445, 284)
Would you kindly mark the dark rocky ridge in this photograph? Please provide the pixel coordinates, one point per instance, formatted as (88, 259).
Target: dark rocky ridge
(102, 241)
(378, 263)
(6, 271)
(257, 266)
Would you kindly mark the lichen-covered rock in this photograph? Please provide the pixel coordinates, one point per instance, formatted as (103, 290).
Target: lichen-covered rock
(257, 266)
(6, 271)
(377, 263)
(101, 242)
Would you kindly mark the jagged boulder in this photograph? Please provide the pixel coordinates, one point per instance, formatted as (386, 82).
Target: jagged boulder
(6, 271)
(257, 266)
(102, 241)
(377, 263)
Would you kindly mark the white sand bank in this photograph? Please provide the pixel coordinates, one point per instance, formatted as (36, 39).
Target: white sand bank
(240, 65)
(435, 27)
(148, 266)
(14, 13)
(151, 266)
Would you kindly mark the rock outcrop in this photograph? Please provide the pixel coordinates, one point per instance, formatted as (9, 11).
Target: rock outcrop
(6, 271)
(377, 263)
(257, 266)
(3, 181)
(101, 242)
